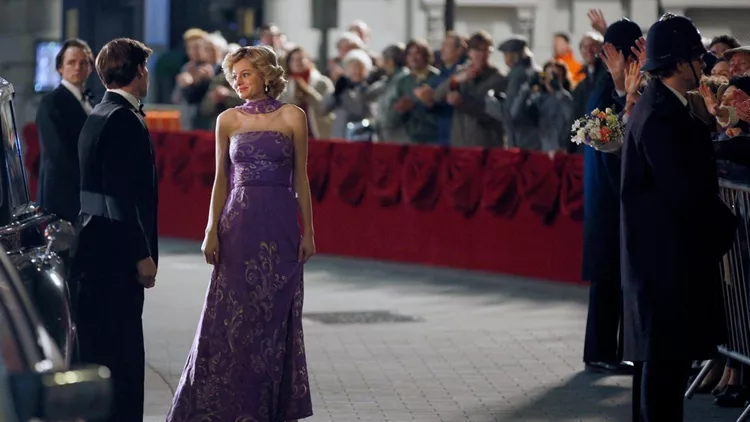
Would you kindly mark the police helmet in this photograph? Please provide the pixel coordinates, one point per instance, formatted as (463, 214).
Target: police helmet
(670, 40)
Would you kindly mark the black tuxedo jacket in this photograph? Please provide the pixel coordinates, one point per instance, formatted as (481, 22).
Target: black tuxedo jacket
(59, 119)
(119, 198)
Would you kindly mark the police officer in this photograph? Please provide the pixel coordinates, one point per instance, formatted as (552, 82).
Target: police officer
(674, 228)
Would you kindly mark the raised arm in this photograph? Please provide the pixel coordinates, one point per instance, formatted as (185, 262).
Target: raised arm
(224, 124)
(297, 119)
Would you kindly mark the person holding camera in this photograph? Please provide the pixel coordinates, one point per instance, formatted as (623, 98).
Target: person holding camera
(546, 99)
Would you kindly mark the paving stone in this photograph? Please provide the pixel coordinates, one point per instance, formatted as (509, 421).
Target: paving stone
(486, 348)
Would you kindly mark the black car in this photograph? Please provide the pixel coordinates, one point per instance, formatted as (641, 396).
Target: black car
(34, 240)
(37, 330)
(35, 381)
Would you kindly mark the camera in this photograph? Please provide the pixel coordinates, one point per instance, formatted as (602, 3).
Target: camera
(537, 79)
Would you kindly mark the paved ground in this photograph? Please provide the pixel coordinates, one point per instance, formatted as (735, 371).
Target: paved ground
(484, 348)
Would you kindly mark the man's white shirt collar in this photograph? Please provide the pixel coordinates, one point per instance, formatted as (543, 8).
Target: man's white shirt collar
(128, 96)
(680, 97)
(76, 91)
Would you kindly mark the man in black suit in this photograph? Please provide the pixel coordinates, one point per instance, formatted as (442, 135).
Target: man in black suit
(60, 117)
(117, 250)
(674, 227)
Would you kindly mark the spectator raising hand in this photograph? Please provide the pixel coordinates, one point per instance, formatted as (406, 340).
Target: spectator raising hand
(633, 79)
(709, 98)
(615, 61)
(640, 51)
(596, 16)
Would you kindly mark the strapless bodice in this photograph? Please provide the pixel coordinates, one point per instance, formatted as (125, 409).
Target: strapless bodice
(262, 158)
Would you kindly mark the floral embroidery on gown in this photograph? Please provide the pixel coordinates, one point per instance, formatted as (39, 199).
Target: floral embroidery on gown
(247, 362)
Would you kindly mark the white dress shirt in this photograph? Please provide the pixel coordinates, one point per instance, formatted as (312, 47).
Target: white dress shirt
(78, 94)
(680, 97)
(128, 96)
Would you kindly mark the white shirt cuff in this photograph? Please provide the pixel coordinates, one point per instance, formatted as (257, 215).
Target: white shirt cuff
(732, 120)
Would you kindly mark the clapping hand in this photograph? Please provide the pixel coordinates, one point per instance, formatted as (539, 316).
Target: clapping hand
(466, 75)
(403, 104)
(453, 98)
(709, 98)
(742, 104)
(423, 93)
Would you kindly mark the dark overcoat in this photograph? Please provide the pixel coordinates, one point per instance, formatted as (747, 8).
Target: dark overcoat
(674, 231)
(601, 225)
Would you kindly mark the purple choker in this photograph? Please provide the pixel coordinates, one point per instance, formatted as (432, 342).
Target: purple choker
(267, 105)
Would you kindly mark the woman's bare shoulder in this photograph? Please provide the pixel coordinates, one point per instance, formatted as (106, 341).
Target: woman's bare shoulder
(292, 111)
(228, 121)
(228, 117)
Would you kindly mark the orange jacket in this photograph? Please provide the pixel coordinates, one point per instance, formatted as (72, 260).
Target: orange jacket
(574, 66)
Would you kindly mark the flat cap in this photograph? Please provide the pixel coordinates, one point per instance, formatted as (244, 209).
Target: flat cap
(732, 51)
(514, 44)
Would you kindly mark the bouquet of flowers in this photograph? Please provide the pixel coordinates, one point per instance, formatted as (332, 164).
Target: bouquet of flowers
(602, 130)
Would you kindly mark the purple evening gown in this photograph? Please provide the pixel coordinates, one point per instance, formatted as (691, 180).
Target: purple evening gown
(247, 362)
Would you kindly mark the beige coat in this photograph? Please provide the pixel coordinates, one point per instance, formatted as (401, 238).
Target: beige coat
(321, 86)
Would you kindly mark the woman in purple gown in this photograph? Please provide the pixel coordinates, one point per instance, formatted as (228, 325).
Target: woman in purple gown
(247, 363)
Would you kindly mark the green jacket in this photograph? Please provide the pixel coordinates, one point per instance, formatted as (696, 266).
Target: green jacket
(420, 122)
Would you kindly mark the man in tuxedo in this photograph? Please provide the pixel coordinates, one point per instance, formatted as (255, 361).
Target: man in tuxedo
(60, 117)
(117, 250)
(674, 227)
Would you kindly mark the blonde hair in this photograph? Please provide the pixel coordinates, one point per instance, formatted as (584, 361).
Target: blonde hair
(360, 56)
(194, 34)
(264, 60)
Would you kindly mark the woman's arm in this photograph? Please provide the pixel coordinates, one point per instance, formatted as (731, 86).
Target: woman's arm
(296, 118)
(224, 124)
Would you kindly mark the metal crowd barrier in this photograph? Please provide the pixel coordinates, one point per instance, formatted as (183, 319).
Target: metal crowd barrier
(735, 282)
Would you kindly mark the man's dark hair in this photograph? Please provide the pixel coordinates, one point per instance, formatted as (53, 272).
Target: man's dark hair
(563, 35)
(670, 69)
(118, 62)
(459, 41)
(423, 48)
(397, 53)
(73, 43)
(725, 39)
(480, 41)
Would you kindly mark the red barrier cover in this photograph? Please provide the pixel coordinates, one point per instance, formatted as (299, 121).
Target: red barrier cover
(508, 211)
